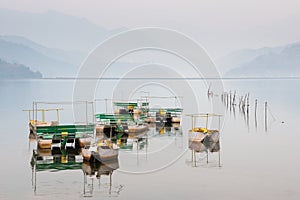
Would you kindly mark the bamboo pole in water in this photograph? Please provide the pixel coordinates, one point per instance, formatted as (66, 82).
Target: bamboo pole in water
(233, 100)
(230, 97)
(255, 113)
(241, 102)
(227, 100)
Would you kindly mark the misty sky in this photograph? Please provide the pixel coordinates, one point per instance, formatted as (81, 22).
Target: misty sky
(220, 26)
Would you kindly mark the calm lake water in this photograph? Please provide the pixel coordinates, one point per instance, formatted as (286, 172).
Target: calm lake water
(255, 164)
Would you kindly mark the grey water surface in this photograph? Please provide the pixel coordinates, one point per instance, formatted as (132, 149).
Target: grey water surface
(255, 164)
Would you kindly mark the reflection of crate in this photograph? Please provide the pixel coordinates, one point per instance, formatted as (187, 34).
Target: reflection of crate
(196, 136)
(197, 146)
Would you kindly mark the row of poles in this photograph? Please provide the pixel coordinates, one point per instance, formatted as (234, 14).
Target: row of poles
(231, 100)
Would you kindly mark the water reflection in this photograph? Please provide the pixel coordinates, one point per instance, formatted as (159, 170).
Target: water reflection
(53, 161)
(202, 149)
(96, 149)
(66, 160)
(93, 172)
(282, 97)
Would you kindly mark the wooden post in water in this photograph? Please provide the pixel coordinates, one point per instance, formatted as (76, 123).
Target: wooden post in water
(227, 100)
(243, 103)
(266, 118)
(247, 110)
(240, 103)
(222, 97)
(255, 112)
(233, 100)
(248, 102)
(230, 97)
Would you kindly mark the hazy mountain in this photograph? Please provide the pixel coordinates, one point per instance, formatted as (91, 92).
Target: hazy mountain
(14, 52)
(51, 42)
(16, 71)
(277, 61)
(70, 57)
(237, 58)
(54, 29)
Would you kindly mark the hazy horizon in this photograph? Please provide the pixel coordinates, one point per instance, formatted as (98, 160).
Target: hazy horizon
(221, 27)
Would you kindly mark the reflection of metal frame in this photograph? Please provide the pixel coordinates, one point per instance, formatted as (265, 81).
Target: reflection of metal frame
(93, 171)
(204, 139)
(47, 160)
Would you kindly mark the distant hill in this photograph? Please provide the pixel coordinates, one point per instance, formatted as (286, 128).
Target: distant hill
(16, 71)
(265, 62)
(36, 57)
(70, 57)
(54, 29)
(53, 43)
(236, 58)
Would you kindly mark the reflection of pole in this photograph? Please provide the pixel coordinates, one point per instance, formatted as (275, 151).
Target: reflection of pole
(34, 177)
(110, 182)
(92, 186)
(84, 182)
(248, 104)
(137, 151)
(207, 157)
(266, 119)
(147, 146)
(194, 157)
(220, 158)
(34, 174)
